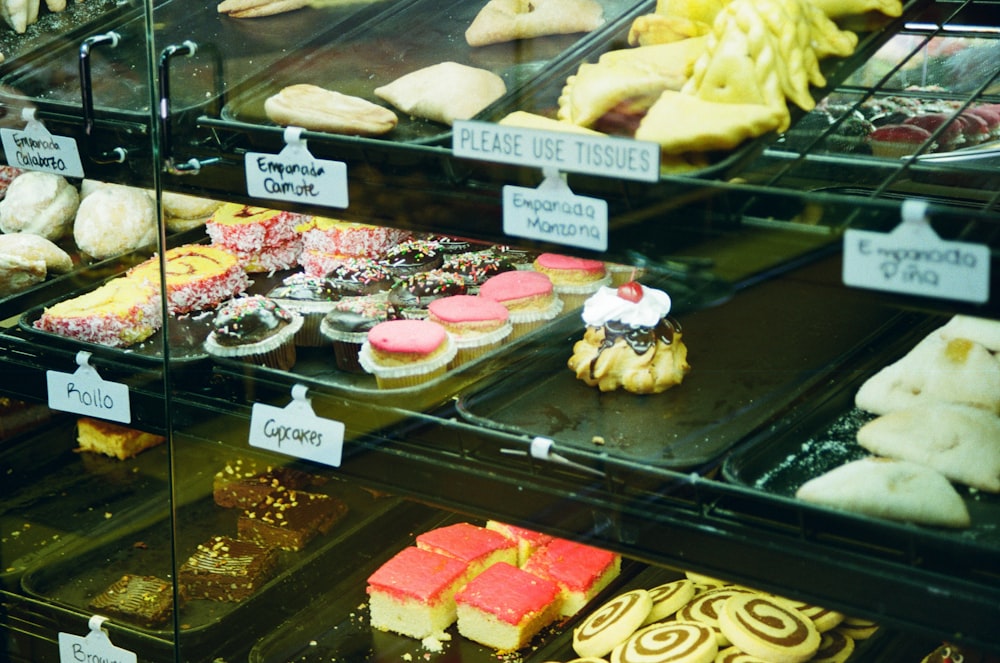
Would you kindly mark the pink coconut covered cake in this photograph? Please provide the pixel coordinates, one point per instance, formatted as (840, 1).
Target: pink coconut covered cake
(504, 607)
(345, 238)
(413, 593)
(120, 313)
(265, 240)
(197, 277)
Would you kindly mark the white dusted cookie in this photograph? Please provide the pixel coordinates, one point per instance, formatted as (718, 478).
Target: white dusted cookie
(444, 92)
(182, 211)
(508, 20)
(35, 247)
(938, 369)
(18, 273)
(959, 441)
(39, 203)
(318, 109)
(891, 489)
(115, 219)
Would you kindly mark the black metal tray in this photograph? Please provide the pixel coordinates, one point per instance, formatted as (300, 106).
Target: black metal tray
(807, 442)
(79, 574)
(54, 497)
(417, 34)
(120, 74)
(750, 357)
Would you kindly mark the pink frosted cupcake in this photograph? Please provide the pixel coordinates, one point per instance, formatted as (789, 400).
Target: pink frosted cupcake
(477, 325)
(574, 279)
(528, 296)
(406, 353)
(256, 330)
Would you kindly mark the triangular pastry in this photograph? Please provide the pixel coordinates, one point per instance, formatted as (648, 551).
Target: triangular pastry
(444, 92)
(684, 123)
(959, 441)
(595, 89)
(315, 108)
(892, 489)
(673, 61)
(508, 20)
(938, 369)
(528, 120)
(15, 13)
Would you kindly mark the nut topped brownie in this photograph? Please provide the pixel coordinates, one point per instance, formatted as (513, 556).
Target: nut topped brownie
(244, 484)
(145, 600)
(289, 520)
(226, 569)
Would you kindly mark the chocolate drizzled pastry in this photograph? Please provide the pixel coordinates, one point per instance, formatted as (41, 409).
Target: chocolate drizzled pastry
(248, 320)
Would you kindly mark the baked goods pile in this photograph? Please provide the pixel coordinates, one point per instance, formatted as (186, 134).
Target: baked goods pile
(630, 342)
(702, 619)
(500, 584)
(19, 15)
(706, 76)
(937, 424)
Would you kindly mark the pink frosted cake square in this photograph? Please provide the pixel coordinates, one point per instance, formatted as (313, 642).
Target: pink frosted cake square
(581, 571)
(413, 593)
(504, 607)
(476, 546)
(527, 540)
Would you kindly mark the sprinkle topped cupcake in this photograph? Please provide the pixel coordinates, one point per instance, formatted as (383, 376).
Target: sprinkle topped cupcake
(254, 329)
(311, 298)
(476, 266)
(411, 257)
(411, 295)
(630, 342)
(357, 277)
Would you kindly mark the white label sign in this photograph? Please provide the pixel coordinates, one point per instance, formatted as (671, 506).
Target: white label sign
(34, 148)
(608, 156)
(96, 646)
(295, 430)
(296, 175)
(85, 392)
(913, 260)
(553, 213)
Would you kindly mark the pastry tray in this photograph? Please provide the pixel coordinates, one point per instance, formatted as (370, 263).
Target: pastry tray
(416, 34)
(750, 357)
(240, 47)
(806, 442)
(55, 497)
(73, 580)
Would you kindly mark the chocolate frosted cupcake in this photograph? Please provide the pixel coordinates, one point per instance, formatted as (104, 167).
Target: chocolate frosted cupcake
(475, 267)
(411, 295)
(518, 258)
(256, 330)
(311, 298)
(411, 257)
(448, 246)
(358, 277)
(347, 325)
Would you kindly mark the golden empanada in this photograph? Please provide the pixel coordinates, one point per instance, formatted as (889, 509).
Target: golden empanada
(684, 123)
(444, 92)
(508, 20)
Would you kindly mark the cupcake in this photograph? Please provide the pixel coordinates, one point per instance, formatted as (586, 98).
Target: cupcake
(574, 279)
(528, 296)
(255, 330)
(475, 267)
(406, 353)
(477, 325)
(411, 257)
(518, 258)
(894, 141)
(630, 341)
(448, 246)
(411, 295)
(358, 277)
(347, 327)
(311, 298)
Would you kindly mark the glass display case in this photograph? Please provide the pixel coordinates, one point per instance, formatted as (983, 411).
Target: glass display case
(203, 459)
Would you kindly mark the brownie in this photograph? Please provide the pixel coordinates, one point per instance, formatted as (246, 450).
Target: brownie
(290, 520)
(226, 569)
(244, 483)
(144, 600)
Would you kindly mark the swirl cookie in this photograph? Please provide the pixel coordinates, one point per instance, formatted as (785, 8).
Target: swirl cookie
(736, 655)
(612, 623)
(668, 598)
(858, 628)
(764, 627)
(678, 642)
(834, 647)
(822, 618)
(706, 608)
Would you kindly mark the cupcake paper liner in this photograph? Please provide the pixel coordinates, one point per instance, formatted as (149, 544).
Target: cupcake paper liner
(395, 377)
(277, 351)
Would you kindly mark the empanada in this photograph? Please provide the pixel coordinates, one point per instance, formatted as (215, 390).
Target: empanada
(684, 123)
(444, 92)
(595, 89)
(318, 109)
(508, 20)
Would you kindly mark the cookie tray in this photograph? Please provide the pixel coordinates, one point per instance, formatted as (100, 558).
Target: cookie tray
(55, 497)
(751, 356)
(417, 34)
(208, 627)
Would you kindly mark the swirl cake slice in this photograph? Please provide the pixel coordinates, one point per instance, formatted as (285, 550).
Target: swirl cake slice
(120, 313)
